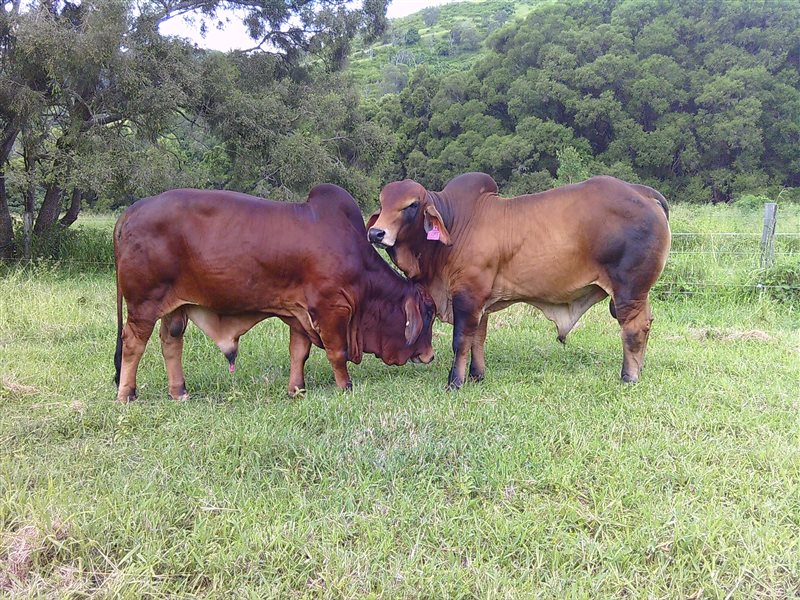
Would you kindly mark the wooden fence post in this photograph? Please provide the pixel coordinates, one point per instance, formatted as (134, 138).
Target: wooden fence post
(768, 235)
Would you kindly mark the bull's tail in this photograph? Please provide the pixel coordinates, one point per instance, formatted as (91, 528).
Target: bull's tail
(662, 201)
(118, 352)
(654, 195)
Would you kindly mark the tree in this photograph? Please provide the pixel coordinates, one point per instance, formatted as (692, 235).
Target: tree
(698, 98)
(464, 37)
(572, 166)
(412, 37)
(430, 16)
(86, 90)
(394, 78)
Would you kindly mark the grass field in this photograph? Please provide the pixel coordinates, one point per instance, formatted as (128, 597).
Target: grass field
(550, 479)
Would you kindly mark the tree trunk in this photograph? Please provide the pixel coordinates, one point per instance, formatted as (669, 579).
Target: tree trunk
(48, 213)
(6, 227)
(74, 208)
(27, 213)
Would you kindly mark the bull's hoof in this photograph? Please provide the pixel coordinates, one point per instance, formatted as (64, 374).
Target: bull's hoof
(476, 376)
(626, 378)
(179, 393)
(454, 383)
(125, 398)
(562, 339)
(297, 391)
(347, 387)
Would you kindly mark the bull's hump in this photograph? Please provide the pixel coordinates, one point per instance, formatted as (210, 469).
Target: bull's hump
(471, 184)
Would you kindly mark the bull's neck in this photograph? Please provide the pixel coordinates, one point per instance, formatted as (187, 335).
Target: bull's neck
(431, 257)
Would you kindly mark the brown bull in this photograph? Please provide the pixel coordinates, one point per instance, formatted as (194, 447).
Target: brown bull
(562, 251)
(226, 261)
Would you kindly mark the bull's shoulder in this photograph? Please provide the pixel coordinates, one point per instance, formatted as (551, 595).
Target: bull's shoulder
(470, 185)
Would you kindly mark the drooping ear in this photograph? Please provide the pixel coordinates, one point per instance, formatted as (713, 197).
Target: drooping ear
(372, 218)
(403, 256)
(434, 220)
(413, 319)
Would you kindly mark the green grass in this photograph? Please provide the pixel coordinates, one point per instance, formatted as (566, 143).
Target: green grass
(550, 479)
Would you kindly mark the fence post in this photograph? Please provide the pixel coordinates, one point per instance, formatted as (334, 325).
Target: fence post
(768, 234)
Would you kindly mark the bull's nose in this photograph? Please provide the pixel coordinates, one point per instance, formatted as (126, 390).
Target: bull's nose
(423, 360)
(375, 235)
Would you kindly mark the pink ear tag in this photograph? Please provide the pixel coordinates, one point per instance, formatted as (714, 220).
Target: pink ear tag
(434, 234)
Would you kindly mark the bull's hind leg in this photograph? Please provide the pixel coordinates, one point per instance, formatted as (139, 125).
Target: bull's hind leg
(635, 318)
(173, 326)
(134, 340)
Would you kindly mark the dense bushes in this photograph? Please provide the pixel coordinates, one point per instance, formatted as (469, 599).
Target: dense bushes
(699, 99)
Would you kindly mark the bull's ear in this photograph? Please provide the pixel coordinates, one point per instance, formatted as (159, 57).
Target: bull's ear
(372, 218)
(413, 319)
(434, 219)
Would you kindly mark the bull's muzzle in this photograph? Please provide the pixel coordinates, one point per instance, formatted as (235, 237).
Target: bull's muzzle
(376, 236)
(423, 359)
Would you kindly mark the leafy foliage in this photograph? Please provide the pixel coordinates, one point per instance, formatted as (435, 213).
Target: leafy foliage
(698, 99)
(450, 38)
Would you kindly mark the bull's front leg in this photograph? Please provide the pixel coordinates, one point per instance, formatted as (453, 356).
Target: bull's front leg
(299, 349)
(333, 333)
(477, 366)
(466, 320)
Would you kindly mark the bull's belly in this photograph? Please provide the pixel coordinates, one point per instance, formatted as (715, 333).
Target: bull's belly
(227, 314)
(545, 287)
(233, 300)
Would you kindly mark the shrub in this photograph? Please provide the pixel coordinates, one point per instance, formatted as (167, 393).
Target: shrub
(751, 201)
(83, 249)
(780, 281)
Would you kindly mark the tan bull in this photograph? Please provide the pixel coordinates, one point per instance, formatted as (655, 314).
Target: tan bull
(562, 251)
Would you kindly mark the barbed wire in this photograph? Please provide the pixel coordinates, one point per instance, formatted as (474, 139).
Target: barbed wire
(753, 286)
(730, 234)
(734, 253)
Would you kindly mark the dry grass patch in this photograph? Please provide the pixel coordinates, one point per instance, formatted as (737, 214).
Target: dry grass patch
(10, 384)
(26, 547)
(728, 335)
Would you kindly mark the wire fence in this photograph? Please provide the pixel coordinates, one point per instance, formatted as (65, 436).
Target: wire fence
(700, 262)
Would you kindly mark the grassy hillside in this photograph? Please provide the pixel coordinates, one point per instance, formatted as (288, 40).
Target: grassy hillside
(450, 37)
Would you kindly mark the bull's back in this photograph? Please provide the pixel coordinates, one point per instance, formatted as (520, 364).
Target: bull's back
(561, 240)
(225, 250)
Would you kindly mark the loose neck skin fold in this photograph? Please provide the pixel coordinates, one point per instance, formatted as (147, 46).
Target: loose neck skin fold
(383, 313)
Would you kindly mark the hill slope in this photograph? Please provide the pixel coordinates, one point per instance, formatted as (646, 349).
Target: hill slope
(445, 38)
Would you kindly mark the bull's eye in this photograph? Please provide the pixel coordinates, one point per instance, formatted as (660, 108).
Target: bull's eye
(410, 211)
